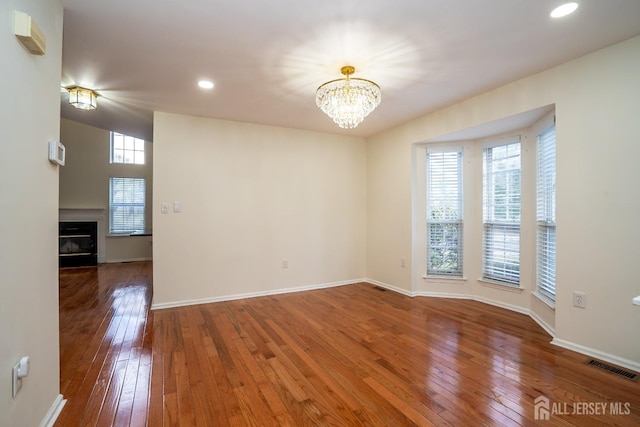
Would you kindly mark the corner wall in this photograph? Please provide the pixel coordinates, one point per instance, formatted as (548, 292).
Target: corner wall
(253, 196)
(29, 119)
(597, 206)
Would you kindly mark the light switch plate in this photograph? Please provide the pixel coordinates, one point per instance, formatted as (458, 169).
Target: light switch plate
(17, 381)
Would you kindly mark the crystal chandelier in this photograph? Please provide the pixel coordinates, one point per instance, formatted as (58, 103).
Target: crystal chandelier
(348, 101)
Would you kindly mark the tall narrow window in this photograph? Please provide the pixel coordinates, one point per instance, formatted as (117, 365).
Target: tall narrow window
(546, 214)
(501, 212)
(126, 205)
(126, 149)
(444, 212)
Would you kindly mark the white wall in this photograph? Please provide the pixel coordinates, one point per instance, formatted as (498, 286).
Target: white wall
(29, 118)
(598, 233)
(84, 184)
(252, 196)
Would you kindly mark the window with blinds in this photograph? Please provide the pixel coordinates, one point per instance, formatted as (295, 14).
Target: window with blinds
(501, 212)
(444, 212)
(546, 213)
(126, 205)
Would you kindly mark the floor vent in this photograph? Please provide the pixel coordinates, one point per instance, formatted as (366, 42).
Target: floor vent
(379, 288)
(614, 370)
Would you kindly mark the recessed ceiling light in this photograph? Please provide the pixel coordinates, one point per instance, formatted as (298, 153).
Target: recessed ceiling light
(205, 84)
(564, 10)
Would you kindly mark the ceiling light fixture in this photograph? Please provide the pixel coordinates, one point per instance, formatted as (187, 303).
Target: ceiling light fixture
(82, 98)
(348, 101)
(205, 84)
(564, 10)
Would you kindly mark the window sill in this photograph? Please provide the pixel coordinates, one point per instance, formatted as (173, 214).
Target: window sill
(545, 300)
(448, 280)
(502, 286)
(145, 232)
(118, 234)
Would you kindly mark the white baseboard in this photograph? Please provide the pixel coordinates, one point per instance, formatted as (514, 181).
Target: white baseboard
(500, 304)
(52, 414)
(544, 325)
(183, 303)
(390, 287)
(625, 363)
(115, 261)
(442, 295)
(548, 329)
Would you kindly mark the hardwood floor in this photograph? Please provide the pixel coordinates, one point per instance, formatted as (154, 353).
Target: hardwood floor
(345, 356)
(105, 344)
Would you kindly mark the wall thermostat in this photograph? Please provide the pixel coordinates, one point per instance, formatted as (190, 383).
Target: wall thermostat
(56, 153)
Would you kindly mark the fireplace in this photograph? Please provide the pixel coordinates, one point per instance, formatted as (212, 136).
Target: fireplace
(78, 243)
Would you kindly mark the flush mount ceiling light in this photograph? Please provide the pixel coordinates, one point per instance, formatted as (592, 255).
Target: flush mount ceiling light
(82, 98)
(348, 101)
(205, 84)
(564, 10)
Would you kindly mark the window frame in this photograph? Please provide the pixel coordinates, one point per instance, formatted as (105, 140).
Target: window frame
(135, 153)
(138, 222)
(546, 175)
(456, 223)
(502, 234)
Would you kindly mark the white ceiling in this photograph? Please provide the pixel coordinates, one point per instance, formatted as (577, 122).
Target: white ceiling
(267, 57)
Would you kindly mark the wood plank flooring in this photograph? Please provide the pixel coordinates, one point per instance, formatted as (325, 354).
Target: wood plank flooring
(345, 356)
(105, 344)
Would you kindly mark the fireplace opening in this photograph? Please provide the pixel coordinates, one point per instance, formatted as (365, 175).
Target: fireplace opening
(78, 243)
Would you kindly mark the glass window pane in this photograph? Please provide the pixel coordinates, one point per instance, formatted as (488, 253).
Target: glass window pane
(139, 157)
(127, 204)
(129, 143)
(501, 213)
(444, 212)
(127, 149)
(118, 141)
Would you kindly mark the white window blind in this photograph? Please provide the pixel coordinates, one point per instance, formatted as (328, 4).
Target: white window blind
(126, 149)
(126, 205)
(444, 212)
(546, 213)
(501, 212)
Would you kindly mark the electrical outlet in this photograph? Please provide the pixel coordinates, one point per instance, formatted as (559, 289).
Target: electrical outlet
(285, 263)
(579, 299)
